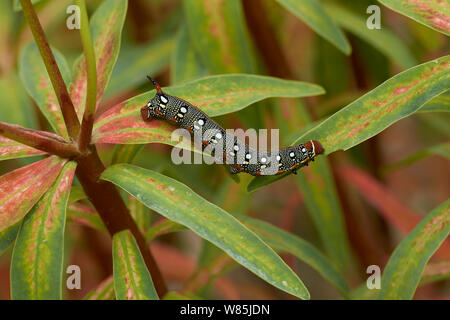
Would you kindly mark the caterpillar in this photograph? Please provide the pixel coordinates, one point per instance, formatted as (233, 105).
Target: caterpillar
(244, 159)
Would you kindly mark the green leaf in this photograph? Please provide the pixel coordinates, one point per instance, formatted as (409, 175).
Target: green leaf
(214, 95)
(162, 228)
(37, 82)
(406, 264)
(440, 149)
(313, 14)
(106, 29)
(303, 250)
(396, 50)
(439, 104)
(179, 203)
(37, 260)
(8, 236)
(436, 271)
(219, 36)
(22, 188)
(105, 291)
(10, 149)
(16, 105)
(85, 215)
(186, 64)
(398, 97)
(135, 63)
(431, 13)
(132, 281)
(76, 194)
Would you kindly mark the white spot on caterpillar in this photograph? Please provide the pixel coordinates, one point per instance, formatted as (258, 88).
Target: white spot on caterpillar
(219, 135)
(236, 147)
(263, 160)
(278, 158)
(164, 99)
(292, 155)
(201, 122)
(248, 156)
(303, 149)
(183, 110)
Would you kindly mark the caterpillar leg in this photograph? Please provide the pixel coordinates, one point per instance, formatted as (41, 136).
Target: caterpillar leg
(234, 170)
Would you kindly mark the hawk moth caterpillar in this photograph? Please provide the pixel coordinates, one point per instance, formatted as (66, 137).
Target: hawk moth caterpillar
(184, 115)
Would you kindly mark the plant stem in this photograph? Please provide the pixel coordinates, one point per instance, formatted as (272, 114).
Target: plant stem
(67, 108)
(40, 140)
(91, 95)
(111, 208)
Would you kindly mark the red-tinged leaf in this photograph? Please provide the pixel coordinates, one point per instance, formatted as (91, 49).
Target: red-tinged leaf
(38, 256)
(10, 149)
(398, 214)
(132, 281)
(393, 210)
(22, 188)
(106, 28)
(214, 95)
(104, 291)
(85, 215)
(406, 264)
(38, 85)
(432, 13)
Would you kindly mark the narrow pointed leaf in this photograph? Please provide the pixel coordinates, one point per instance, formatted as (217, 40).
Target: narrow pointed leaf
(10, 149)
(214, 95)
(106, 29)
(442, 149)
(405, 267)
(224, 45)
(393, 100)
(186, 64)
(312, 13)
(355, 24)
(303, 250)
(439, 104)
(179, 203)
(37, 261)
(37, 82)
(135, 63)
(132, 280)
(436, 271)
(22, 188)
(85, 215)
(105, 291)
(8, 236)
(431, 13)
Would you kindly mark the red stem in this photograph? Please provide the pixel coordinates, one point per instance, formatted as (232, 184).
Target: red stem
(40, 140)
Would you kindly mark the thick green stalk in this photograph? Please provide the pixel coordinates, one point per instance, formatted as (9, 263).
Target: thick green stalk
(91, 95)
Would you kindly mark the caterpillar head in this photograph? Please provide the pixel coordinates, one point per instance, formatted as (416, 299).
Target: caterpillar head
(156, 107)
(314, 147)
